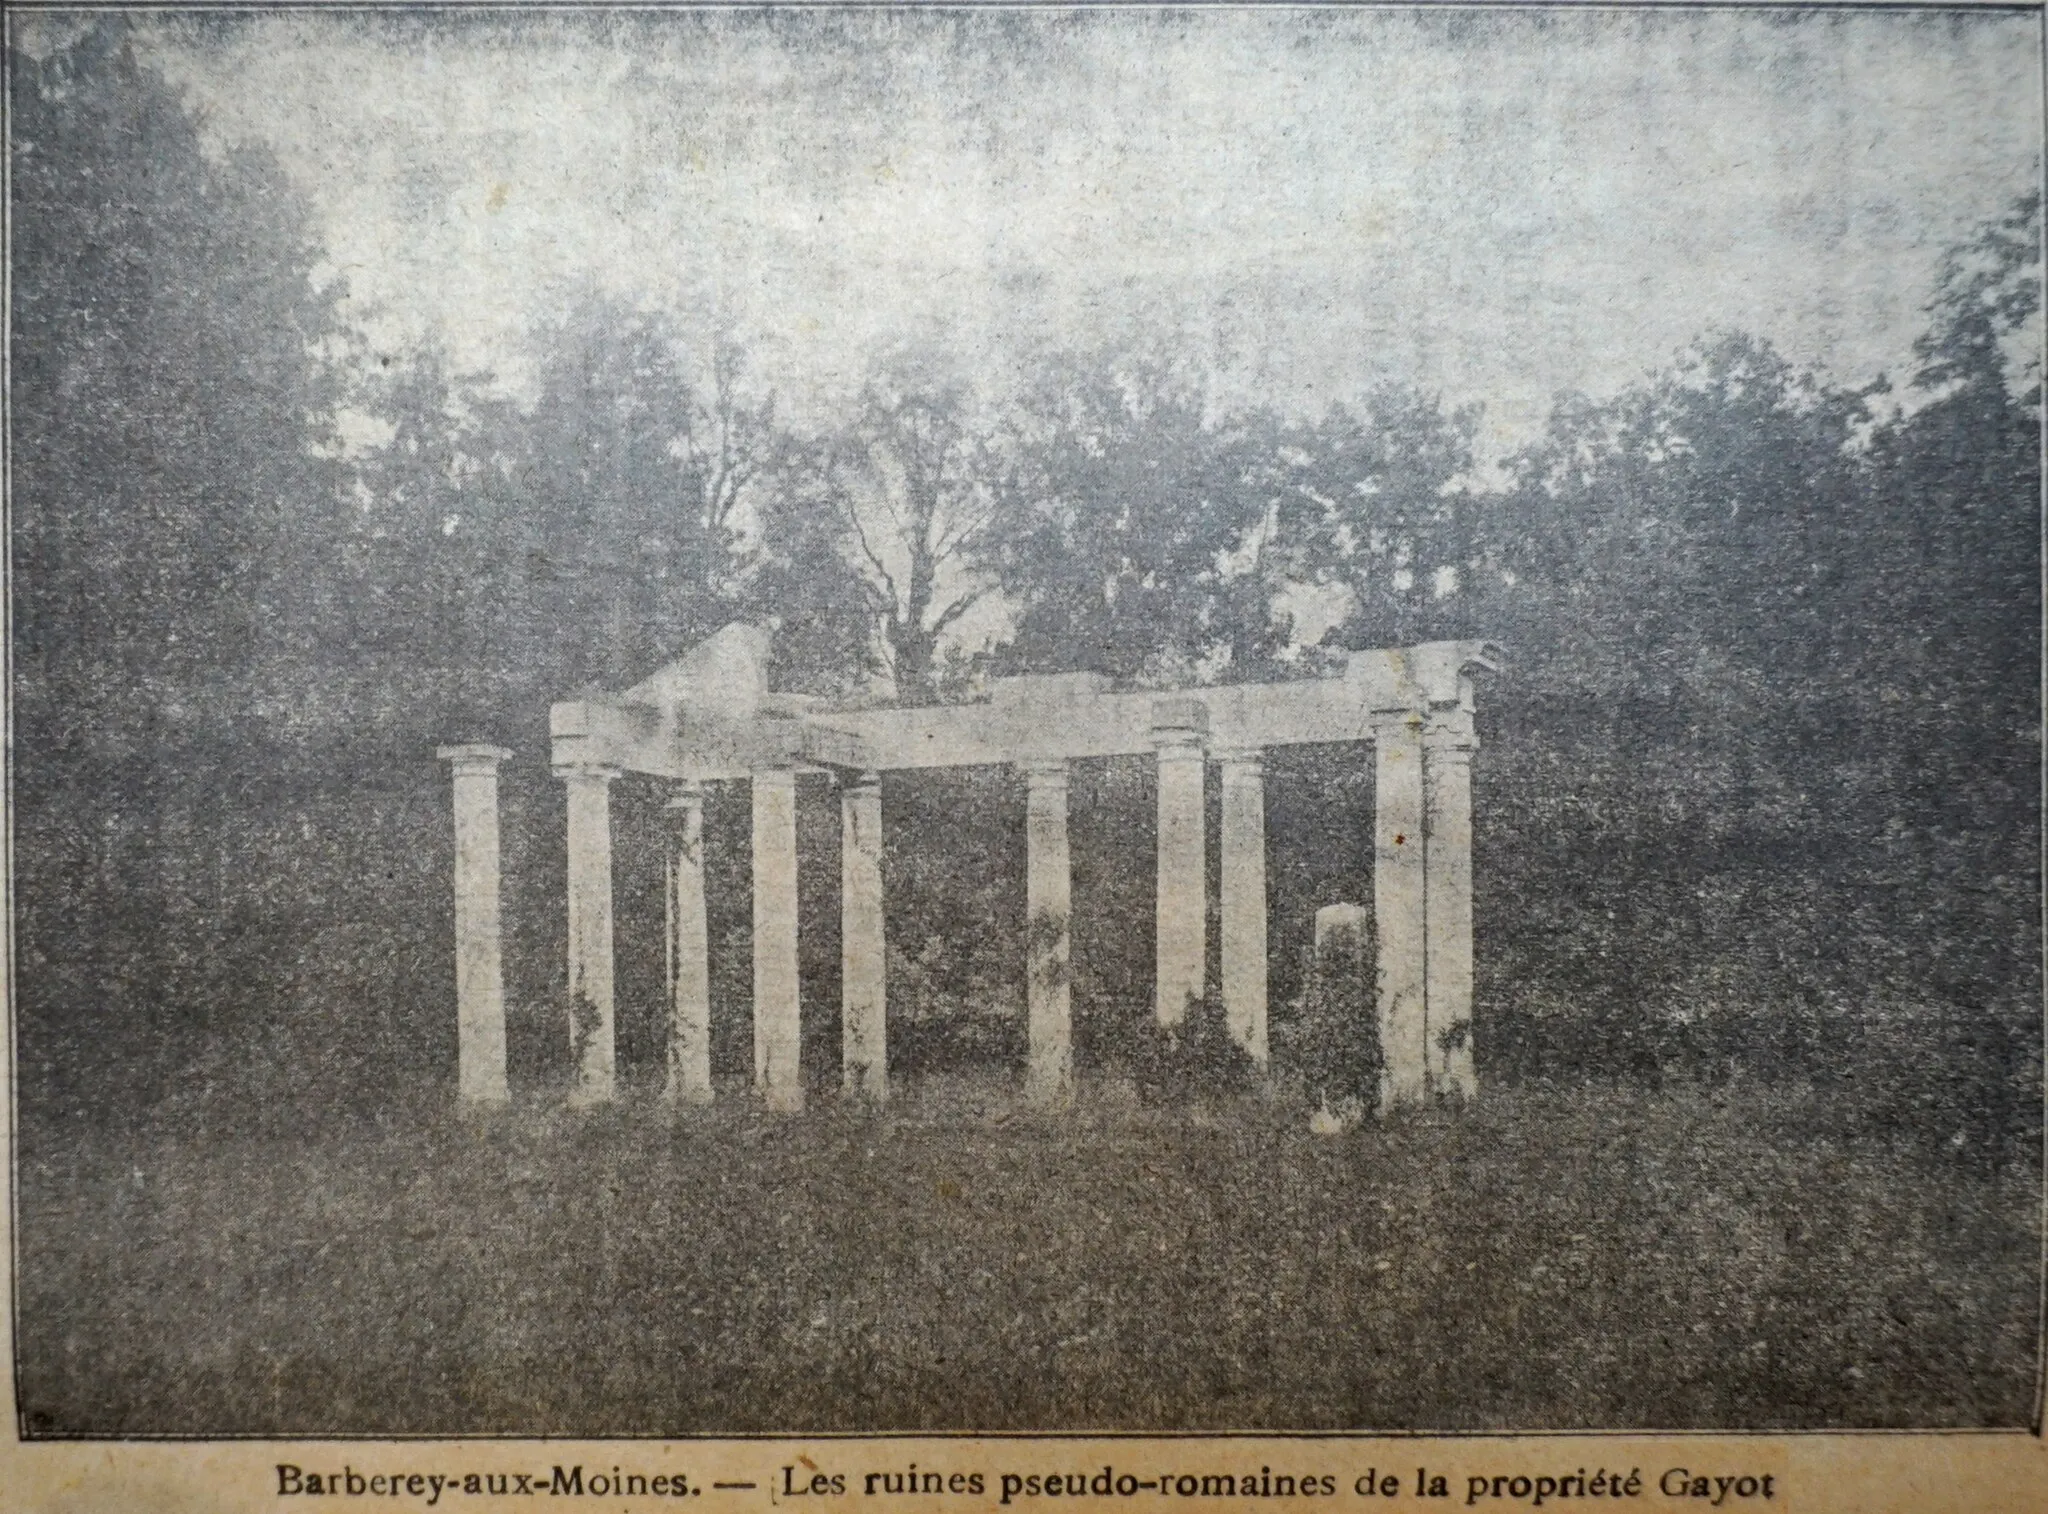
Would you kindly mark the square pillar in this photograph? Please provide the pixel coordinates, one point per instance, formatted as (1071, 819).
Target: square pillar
(479, 958)
(689, 951)
(1243, 884)
(1178, 728)
(863, 949)
(1048, 935)
(777, 1028)
(1447, 748)
(590, 932)
(1399, 908)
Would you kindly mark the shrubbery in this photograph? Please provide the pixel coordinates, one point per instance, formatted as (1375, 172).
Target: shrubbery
(1196, 1059)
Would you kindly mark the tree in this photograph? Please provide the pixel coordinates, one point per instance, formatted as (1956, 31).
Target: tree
(1132, 528)
(803, 578)
(627, 483)
(1701, 525)
(917, 487)
(1953, 555)
(509, 556)
(176, 506)
(173, 469)
(1958, 473)
(1371, 501)
(1985, 327)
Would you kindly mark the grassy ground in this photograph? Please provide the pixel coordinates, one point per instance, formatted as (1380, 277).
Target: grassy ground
(1552, 1258)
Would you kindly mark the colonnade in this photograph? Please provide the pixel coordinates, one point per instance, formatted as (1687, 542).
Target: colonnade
(1422, 906)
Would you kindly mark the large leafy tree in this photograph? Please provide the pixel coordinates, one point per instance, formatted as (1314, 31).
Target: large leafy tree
(1373, 501)
(1957, 476)
(1134, 526)
(175, 515)
(1950, 641)
(510, 555)
(914, 484)
(173, 466)
(627, 484)
(1700, 525)
(806, 577)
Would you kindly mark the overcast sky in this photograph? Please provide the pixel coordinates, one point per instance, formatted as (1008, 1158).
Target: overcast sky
(1500, 205)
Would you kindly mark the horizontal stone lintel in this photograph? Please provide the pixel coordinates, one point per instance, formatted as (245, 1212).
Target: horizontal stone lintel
(1026, 721)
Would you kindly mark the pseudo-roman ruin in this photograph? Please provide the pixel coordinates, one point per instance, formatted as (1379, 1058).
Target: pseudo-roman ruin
(710, 717)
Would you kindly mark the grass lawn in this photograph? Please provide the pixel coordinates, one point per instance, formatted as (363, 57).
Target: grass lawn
(1552, 1258)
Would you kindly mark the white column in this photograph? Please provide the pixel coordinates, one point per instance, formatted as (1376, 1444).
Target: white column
(689, 952)
(1048, 934)
(479, 960)
(1398, 908)
(863, 948)
(1447, 748)
(777, 1027)
(1178, 728)
(590, 932)
(1243, 885)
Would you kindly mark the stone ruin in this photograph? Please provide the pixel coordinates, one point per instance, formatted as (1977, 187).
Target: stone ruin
(710, 717)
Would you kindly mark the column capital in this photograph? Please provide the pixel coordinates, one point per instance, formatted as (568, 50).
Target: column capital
(1045, 775)
(473, 759)
(686, 795)
(586, 772)
(1449, 734)
(868, 778)
(1180, 726)
(1449, 744)
(1242, 762)
(1397, 722)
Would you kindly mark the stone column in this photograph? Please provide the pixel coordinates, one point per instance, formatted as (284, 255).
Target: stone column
(479, 960)
(590, 932)
(777, 1028)
(1178, 726)
(1243, 885)
(863, 949)
(1447, 748)
(1399, 906)
(1048, 969)
(689, 952)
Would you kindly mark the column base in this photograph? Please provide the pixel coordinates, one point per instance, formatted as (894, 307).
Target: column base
(867, 1085)
(675, 1092)
(1049, 1089)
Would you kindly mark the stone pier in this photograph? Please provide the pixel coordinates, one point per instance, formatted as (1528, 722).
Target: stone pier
(689, 952)
(479, 958)
(1243, 885)
(1400, 855)
(590, 931)
(1048, 911)
(778, 1033)
(1447, 748)
(863, 951)
(1178, 728)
